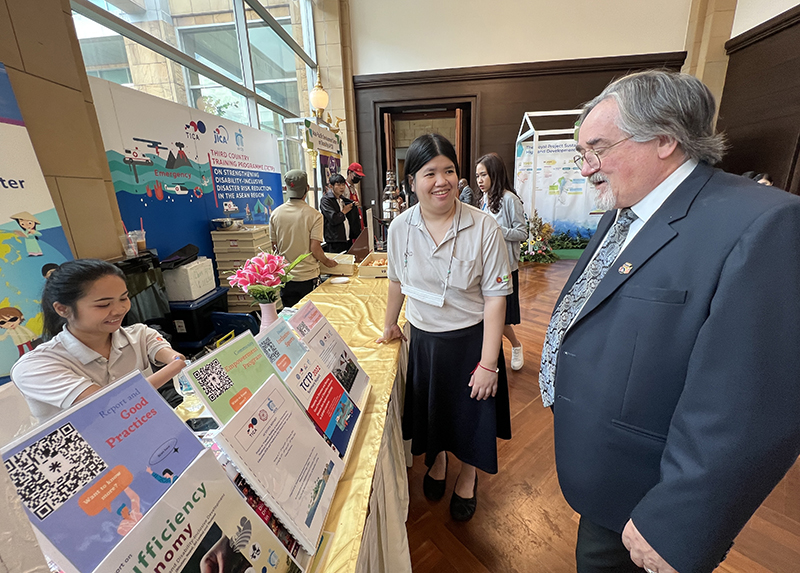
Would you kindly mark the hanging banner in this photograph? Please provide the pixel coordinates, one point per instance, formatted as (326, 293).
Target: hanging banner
(322, 139)
(523, 175)
(175, 168)
(563, 198)
(32, 242)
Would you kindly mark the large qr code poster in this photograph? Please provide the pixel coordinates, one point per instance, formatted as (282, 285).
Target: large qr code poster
(53, 469)
(213, 379)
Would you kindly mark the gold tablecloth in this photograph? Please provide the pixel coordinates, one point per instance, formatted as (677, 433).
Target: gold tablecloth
(356, 309)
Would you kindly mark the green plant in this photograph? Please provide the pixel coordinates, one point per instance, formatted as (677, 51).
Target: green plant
(567, 241)
(537, 248)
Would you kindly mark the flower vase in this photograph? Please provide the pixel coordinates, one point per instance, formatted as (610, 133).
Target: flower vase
(268, 315)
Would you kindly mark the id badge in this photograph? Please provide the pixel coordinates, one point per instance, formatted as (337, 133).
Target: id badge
(421, 295)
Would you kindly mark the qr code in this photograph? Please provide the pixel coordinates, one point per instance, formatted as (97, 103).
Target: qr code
(213, 379)
(270, 350)
(53, 469)
(303, 329)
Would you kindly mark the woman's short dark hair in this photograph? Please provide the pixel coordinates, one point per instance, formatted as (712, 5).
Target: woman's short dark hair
(423, 149)
(69, 283)
(337, 178)
(496, 170)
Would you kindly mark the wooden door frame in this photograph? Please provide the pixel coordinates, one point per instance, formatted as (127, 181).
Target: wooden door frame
(384, 106)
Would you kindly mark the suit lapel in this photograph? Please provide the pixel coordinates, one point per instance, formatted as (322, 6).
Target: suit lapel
(656, 233)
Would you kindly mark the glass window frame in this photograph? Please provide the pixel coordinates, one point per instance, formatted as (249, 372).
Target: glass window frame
(247, 88)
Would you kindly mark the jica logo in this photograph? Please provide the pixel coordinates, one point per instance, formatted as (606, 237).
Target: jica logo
(221, 135)
(194, 129)
(239, 137)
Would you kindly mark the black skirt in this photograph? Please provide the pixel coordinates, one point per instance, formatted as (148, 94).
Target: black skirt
(512, 301)
(439, 415)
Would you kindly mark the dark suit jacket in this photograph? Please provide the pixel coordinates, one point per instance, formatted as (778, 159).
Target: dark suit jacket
(678, 385)
(334, 219)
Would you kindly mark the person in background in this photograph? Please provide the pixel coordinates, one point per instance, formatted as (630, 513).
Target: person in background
(450, 261)
(84, 302)
(762, 178)
(505, 206)
(341, 219)
(295, 228)
(355, 174)
(671, 358)
(467, 195)
(411, 197)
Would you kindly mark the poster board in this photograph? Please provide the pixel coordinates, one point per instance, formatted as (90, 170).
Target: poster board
(176, 168)
(32, 240)
(547, 179)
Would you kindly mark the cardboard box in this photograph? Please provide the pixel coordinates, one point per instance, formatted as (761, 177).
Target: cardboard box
(248, 241)
(190, 282)
(251, 232)
(345, 265)
(367, 271)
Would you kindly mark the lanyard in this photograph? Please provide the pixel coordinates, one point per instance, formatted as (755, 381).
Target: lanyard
(419, 294)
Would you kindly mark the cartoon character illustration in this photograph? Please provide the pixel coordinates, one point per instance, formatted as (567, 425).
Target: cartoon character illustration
(248, 214)
(27, 223)
(131, 514)
(167, 476)
(11, 320)
(48, 269)
(205, 181)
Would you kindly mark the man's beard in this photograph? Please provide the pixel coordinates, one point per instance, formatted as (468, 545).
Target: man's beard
(606, 199)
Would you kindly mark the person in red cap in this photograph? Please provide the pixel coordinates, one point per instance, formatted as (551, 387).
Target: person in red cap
(355, 173)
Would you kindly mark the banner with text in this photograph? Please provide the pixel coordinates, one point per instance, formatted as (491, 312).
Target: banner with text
(175, 168)
(562, 194)
(322, 139)
(32, 241)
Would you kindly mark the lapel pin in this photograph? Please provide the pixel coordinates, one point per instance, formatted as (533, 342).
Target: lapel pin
(625, 269)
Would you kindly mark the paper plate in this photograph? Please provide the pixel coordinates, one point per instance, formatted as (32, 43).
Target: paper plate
(340, 280)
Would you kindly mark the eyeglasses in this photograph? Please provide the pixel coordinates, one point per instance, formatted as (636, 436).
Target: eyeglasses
(9, 319)
(592, 156)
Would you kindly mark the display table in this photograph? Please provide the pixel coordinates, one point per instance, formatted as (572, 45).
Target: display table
(370, 508)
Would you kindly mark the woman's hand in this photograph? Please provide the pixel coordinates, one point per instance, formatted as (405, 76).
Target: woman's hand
(483, 383)
(390, 333)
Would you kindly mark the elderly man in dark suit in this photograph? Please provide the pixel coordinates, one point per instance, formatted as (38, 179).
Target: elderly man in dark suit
(672, 360)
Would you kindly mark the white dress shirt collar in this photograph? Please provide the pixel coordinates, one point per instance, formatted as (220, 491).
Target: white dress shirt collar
(645, 208)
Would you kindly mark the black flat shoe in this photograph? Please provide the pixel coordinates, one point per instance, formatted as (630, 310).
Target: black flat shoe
(463, 509)
(434, 488)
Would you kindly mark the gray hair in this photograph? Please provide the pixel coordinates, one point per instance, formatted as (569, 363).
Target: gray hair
(657, 103)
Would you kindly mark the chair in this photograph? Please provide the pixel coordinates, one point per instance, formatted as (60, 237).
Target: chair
(224, 322)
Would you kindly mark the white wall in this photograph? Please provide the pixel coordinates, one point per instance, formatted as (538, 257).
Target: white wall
(408, 35)
(751, 13)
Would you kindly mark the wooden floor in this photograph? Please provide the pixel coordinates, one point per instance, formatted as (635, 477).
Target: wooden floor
(523, 523)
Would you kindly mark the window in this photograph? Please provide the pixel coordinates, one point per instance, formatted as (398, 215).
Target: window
(202, 57)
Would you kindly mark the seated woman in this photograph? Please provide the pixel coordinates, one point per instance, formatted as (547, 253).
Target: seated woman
(341, 217)
(84, 302)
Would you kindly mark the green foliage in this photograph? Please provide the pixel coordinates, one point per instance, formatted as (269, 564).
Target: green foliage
(537, 248)
(565, 241)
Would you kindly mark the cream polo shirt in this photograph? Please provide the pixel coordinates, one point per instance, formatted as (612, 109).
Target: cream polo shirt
(54, 374)
(292, 226)
(480, 267)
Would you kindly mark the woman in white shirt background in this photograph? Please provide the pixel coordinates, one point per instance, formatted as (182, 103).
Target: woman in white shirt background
(450, 260)
(500, 200)
(83, 303)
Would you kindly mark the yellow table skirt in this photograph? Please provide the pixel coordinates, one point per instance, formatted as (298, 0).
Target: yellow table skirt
(356, 309)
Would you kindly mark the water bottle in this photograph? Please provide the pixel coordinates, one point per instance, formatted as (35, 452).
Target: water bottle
(191, 403)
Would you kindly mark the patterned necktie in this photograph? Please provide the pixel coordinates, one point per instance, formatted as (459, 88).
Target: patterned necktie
(576, 298)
